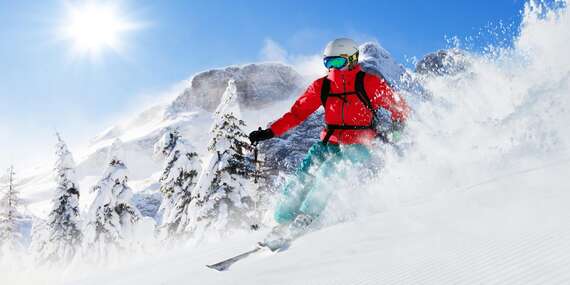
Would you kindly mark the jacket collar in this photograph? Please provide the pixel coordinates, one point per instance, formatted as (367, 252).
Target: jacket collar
(335, 74)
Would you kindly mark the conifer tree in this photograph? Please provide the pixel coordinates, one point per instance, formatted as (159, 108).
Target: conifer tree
(223, 196)
(10, 236)
(111, 219)
(63, 225)
(179, 177)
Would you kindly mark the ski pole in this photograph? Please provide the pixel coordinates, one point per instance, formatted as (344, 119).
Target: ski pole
(255, 152)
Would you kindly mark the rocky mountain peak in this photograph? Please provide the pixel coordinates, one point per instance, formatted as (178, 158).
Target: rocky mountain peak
(257, 85)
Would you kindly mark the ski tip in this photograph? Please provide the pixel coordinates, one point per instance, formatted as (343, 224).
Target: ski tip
(217, 268)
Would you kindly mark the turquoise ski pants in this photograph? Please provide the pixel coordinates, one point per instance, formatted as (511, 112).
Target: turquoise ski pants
(305, 193)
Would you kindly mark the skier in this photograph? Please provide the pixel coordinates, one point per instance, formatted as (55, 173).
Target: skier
(351, 99)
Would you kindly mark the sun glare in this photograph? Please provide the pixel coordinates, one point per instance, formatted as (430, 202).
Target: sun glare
(94, 27)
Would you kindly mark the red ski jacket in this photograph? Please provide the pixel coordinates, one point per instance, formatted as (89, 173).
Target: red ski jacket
(349, 110)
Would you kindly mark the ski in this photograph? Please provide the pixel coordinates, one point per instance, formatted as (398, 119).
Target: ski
(225, 264)
(273, 246)
(277, 241)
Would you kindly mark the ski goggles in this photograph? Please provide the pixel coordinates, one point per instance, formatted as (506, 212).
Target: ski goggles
(337, 62)
(340, 61)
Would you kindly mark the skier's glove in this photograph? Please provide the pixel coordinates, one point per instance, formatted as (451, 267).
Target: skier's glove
(394, 136)
(396, 131)
(260, 135)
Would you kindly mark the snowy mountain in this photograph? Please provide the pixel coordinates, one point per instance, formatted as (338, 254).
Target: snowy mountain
(258, 85)
(443, 62)
(190, 112)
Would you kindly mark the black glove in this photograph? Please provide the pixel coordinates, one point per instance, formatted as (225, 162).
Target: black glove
(260, 135)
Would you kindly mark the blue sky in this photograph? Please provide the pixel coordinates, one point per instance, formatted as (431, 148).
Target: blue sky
(44, 86)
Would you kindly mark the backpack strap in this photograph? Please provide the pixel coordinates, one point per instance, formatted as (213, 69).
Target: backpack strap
(361, 92)
(325, 90)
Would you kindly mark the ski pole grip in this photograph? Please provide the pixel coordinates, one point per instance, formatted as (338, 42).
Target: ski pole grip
(255, 143)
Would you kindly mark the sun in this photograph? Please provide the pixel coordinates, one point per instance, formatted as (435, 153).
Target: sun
(96, 26)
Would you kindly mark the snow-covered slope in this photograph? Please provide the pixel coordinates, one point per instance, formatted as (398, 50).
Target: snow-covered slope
(508, 231)
(505, 232)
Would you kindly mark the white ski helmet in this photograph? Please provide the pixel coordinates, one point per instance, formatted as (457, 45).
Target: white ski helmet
(342, 47)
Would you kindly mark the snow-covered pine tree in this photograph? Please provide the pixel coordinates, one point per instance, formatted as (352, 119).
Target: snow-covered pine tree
(63, 225)
(111, 217)
(179, 177)
(10, 236)
(39, 238)
(223, 196)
